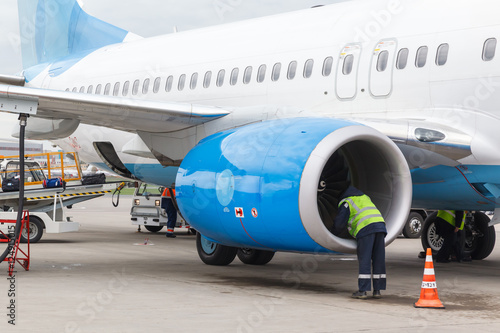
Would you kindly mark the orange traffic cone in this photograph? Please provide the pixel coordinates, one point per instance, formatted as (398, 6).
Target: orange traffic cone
(429, 294)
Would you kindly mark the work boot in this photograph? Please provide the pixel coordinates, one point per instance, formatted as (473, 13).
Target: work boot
(170, 235)
(360, 295)
(376, 294)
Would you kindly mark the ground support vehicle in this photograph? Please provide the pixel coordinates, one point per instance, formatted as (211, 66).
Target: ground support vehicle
(46, 206)
(414, 223)
(146, 209)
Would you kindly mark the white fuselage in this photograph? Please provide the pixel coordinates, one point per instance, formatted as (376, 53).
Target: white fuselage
(460, 94)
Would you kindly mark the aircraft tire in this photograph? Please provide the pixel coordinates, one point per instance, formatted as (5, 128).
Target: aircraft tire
(479, 238)
(255, 257)
(36, 231)
(483, 244)
(429, 238)
(214, 254)
(413, 226)
(153, 228)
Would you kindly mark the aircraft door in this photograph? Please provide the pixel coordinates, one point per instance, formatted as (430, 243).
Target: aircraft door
(382, 68)
(347, 71)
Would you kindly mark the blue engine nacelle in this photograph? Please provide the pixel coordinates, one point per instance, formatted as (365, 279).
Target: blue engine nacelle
(274, 185)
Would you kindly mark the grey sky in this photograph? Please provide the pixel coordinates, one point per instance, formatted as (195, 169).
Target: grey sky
(150, 17)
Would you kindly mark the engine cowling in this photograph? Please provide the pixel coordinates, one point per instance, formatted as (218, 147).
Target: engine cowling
(275, 185)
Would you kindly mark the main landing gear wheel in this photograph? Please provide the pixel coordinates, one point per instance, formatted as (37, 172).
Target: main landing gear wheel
(255, 257)
(36, 231)
(479, 238)
(429, 236)
(214, 254)
(153, 228)
(413, 226)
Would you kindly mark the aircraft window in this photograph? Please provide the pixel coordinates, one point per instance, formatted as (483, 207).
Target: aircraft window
(107, 89)
(90, 89)
(383, 58)
(145, 86)
(126, 87)
(98, 89)
(308, 67)
(442, 54)
(116, 89)
(207, 80)
(275, 76)
(234, 76)
(327, 66)
(261, 74)
(421, 58)
(402, 59)
(82, 89)
(156, 86)
(247, 76)
(489, 49)
(135, 87)
(220, 77)
(348, 63)
(194, 81)
(67, 89)
(292, 70)
(168, 85)
(182, 82)
(74, 89)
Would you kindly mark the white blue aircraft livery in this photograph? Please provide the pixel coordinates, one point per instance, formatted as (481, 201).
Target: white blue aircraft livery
(261, 124)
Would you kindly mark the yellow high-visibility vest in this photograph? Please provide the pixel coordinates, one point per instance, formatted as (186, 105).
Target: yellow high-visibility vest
(449, 216)
(362, 213)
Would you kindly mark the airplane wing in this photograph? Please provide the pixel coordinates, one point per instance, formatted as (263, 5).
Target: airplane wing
(110, 111)
(434, 143)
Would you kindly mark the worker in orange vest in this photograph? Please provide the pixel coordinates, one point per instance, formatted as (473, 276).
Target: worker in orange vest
(168, 205)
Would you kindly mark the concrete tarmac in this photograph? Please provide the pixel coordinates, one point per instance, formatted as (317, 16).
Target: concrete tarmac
(100, 280)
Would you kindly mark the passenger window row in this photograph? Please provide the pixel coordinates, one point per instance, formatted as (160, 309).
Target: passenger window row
(488, 53)
(207, 79)
(489, 49)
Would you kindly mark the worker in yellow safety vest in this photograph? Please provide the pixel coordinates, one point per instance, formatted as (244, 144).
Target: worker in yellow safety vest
(365, 223)
(449, 224)
(168, 205)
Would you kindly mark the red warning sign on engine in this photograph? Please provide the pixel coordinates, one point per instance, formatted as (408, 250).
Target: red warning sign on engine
(254, 212)
(239, 212)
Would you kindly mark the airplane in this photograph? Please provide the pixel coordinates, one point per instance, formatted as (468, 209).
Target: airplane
(259, 124)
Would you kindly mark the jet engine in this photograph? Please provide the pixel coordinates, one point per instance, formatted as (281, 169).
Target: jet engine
(275, 185)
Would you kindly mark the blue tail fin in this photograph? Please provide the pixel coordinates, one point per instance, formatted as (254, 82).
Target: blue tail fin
(55, 29)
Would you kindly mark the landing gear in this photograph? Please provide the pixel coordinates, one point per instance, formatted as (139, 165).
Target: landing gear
(255, 257)
(479, 238)
(430, 238)
(214, 254)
